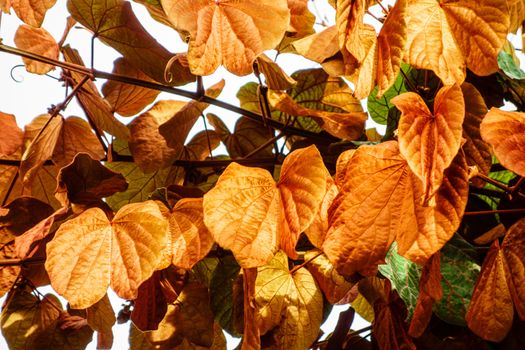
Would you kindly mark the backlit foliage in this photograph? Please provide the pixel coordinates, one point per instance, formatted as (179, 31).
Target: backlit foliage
(420, 227)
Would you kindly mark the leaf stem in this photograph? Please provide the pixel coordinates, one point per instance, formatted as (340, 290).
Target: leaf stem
(297, 267)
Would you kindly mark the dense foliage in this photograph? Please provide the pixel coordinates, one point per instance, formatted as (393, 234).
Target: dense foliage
(420, 230)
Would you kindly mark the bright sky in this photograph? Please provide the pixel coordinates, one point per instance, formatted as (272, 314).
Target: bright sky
(34, 94)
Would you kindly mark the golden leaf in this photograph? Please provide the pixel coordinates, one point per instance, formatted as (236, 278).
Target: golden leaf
(39, 41)
(123, 252)
(320, 46)
(244, 214)
(447, 36)
(343, 125)
(333, 285)
(301, 19)
(379, 202)
(302, 189)
(248, 213)
(291, 302)
(228, 33)
(490, 312)
(190, 240)
(516, 13)
(316, 232)
(32, 12)
(275, 76)
(505, 133)
(349, 19)
(12, 137)
(128, 100)
(428, 141)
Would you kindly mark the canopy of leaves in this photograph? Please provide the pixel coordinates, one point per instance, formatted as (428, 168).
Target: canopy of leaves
(417, 225)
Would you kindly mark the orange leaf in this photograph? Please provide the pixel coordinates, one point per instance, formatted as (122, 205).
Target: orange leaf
(505, 132)
(12, 135)
(128, 100)
(349, 19)
(149, 149)
(379, 202)
(190, 240)
(39, 41)
(123, 252)
(41, 147)
(248, 213)
(344, 125)
(276, 78)
(513, 247)
(251, 335)
(301, 19)
(228, 33)
(428, 141)
(114, 23)
(447, 36)
(243, 213)
(96, 108)
(176, 129)
(32, 12)
(430, 291)
(316, 232)
(365, 217)
(76, 137)
(302, 190)
(490, 312)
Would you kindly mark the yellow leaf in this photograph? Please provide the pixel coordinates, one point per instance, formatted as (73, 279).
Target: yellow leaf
(428, 141)
(275, 76)
(228, 33)
(516, 13)
(490, 312)
(333, 285)
(123, 252)
(363, 308)
(320, 46)
(291, 302)
(39, 41)
(505, 133)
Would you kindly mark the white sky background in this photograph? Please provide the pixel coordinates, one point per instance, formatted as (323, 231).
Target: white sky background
(34, 94)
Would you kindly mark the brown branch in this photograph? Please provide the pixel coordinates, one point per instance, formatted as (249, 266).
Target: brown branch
(322, 137)
(498, 211)
(295, 268)
(22, 262)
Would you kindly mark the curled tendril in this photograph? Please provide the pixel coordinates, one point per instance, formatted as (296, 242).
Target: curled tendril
(20, 77)
(181, 58)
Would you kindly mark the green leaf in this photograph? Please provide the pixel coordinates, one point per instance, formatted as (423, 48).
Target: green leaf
(507, 64)
(379, 108)
(221, 291)
(459, 272)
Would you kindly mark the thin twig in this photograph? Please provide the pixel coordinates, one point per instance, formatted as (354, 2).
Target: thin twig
(497, 211)
(295, 268)
(169, 89)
